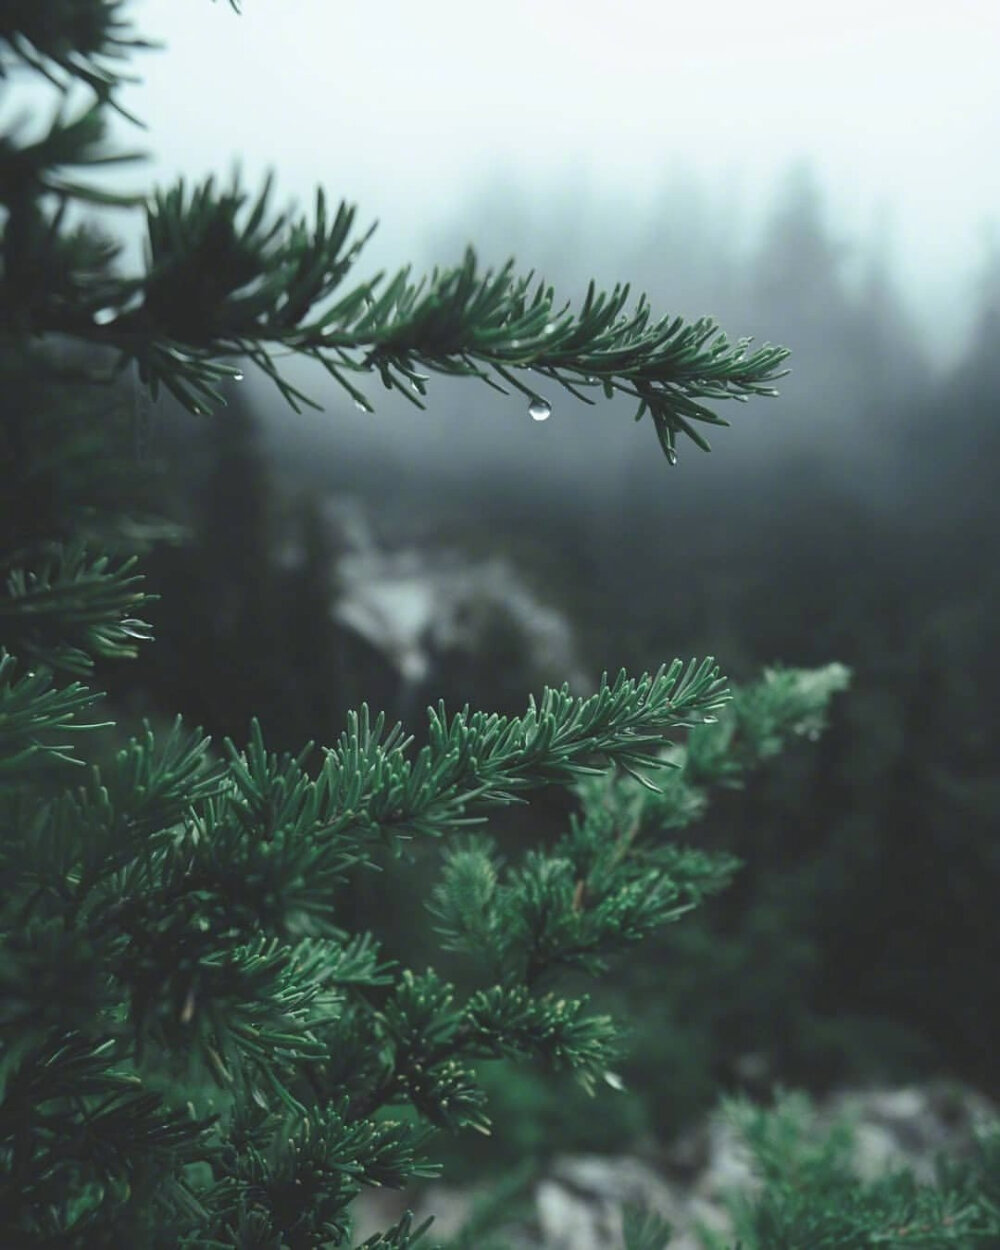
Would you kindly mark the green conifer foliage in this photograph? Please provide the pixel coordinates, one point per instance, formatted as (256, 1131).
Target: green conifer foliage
(193, 1051)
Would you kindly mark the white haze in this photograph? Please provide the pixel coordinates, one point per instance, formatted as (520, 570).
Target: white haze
(407, 109)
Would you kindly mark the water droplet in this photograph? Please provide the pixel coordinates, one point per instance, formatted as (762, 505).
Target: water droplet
(671, 456)
(360, 406)
(105, 315)
(539, 409)
(237, 377)
(710, 720)
(134, 629)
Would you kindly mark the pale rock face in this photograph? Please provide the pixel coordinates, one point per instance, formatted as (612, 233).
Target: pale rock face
(417, 606)
(910, 1125)
(577, 1204)
(567, 1223)
(729, 1163)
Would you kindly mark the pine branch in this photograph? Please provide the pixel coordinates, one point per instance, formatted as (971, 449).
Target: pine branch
(226, 279)
(125, 811)
(611, 879)
(34, 169)
(369, 786)
(812, 1197)
(245, 861)
(120, 1132)
(69, 41)
(31, 711)
(760, 721)
(574, 907)
(275, 842)
(643, 1229)
(72, 606)
(493, 326)
(401, 1236)
(431, 1044)
(511, 1021)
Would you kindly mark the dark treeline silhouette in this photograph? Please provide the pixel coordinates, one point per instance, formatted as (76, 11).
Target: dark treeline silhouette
(854, 520)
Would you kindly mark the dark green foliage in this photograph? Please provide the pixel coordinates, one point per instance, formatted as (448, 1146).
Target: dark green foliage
(859, 940)
(811, 1196)
(195, 1050)
(174, 924)
(70, 39)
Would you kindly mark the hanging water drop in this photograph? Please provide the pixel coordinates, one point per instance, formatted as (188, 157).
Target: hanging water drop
(360, 406)
(539, 409)
(104, 316)
(710, 720)
(671, 456)
(237, 377)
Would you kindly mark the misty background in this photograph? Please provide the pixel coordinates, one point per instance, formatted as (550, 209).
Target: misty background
(825, 184)
(823, 181)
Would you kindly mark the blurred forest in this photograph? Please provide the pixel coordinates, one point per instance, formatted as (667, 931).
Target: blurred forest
(855, 519)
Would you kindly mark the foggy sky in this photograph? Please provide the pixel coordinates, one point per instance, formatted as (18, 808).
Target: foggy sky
(406, 109)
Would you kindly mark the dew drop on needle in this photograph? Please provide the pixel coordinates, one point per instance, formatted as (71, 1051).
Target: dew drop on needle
(539, 409)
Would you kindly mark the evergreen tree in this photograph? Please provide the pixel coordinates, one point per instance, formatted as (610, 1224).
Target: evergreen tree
(193, 1050)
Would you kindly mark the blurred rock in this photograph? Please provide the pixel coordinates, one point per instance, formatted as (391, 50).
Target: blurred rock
(912, 1125)
(433, 612)
(579, 1205)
